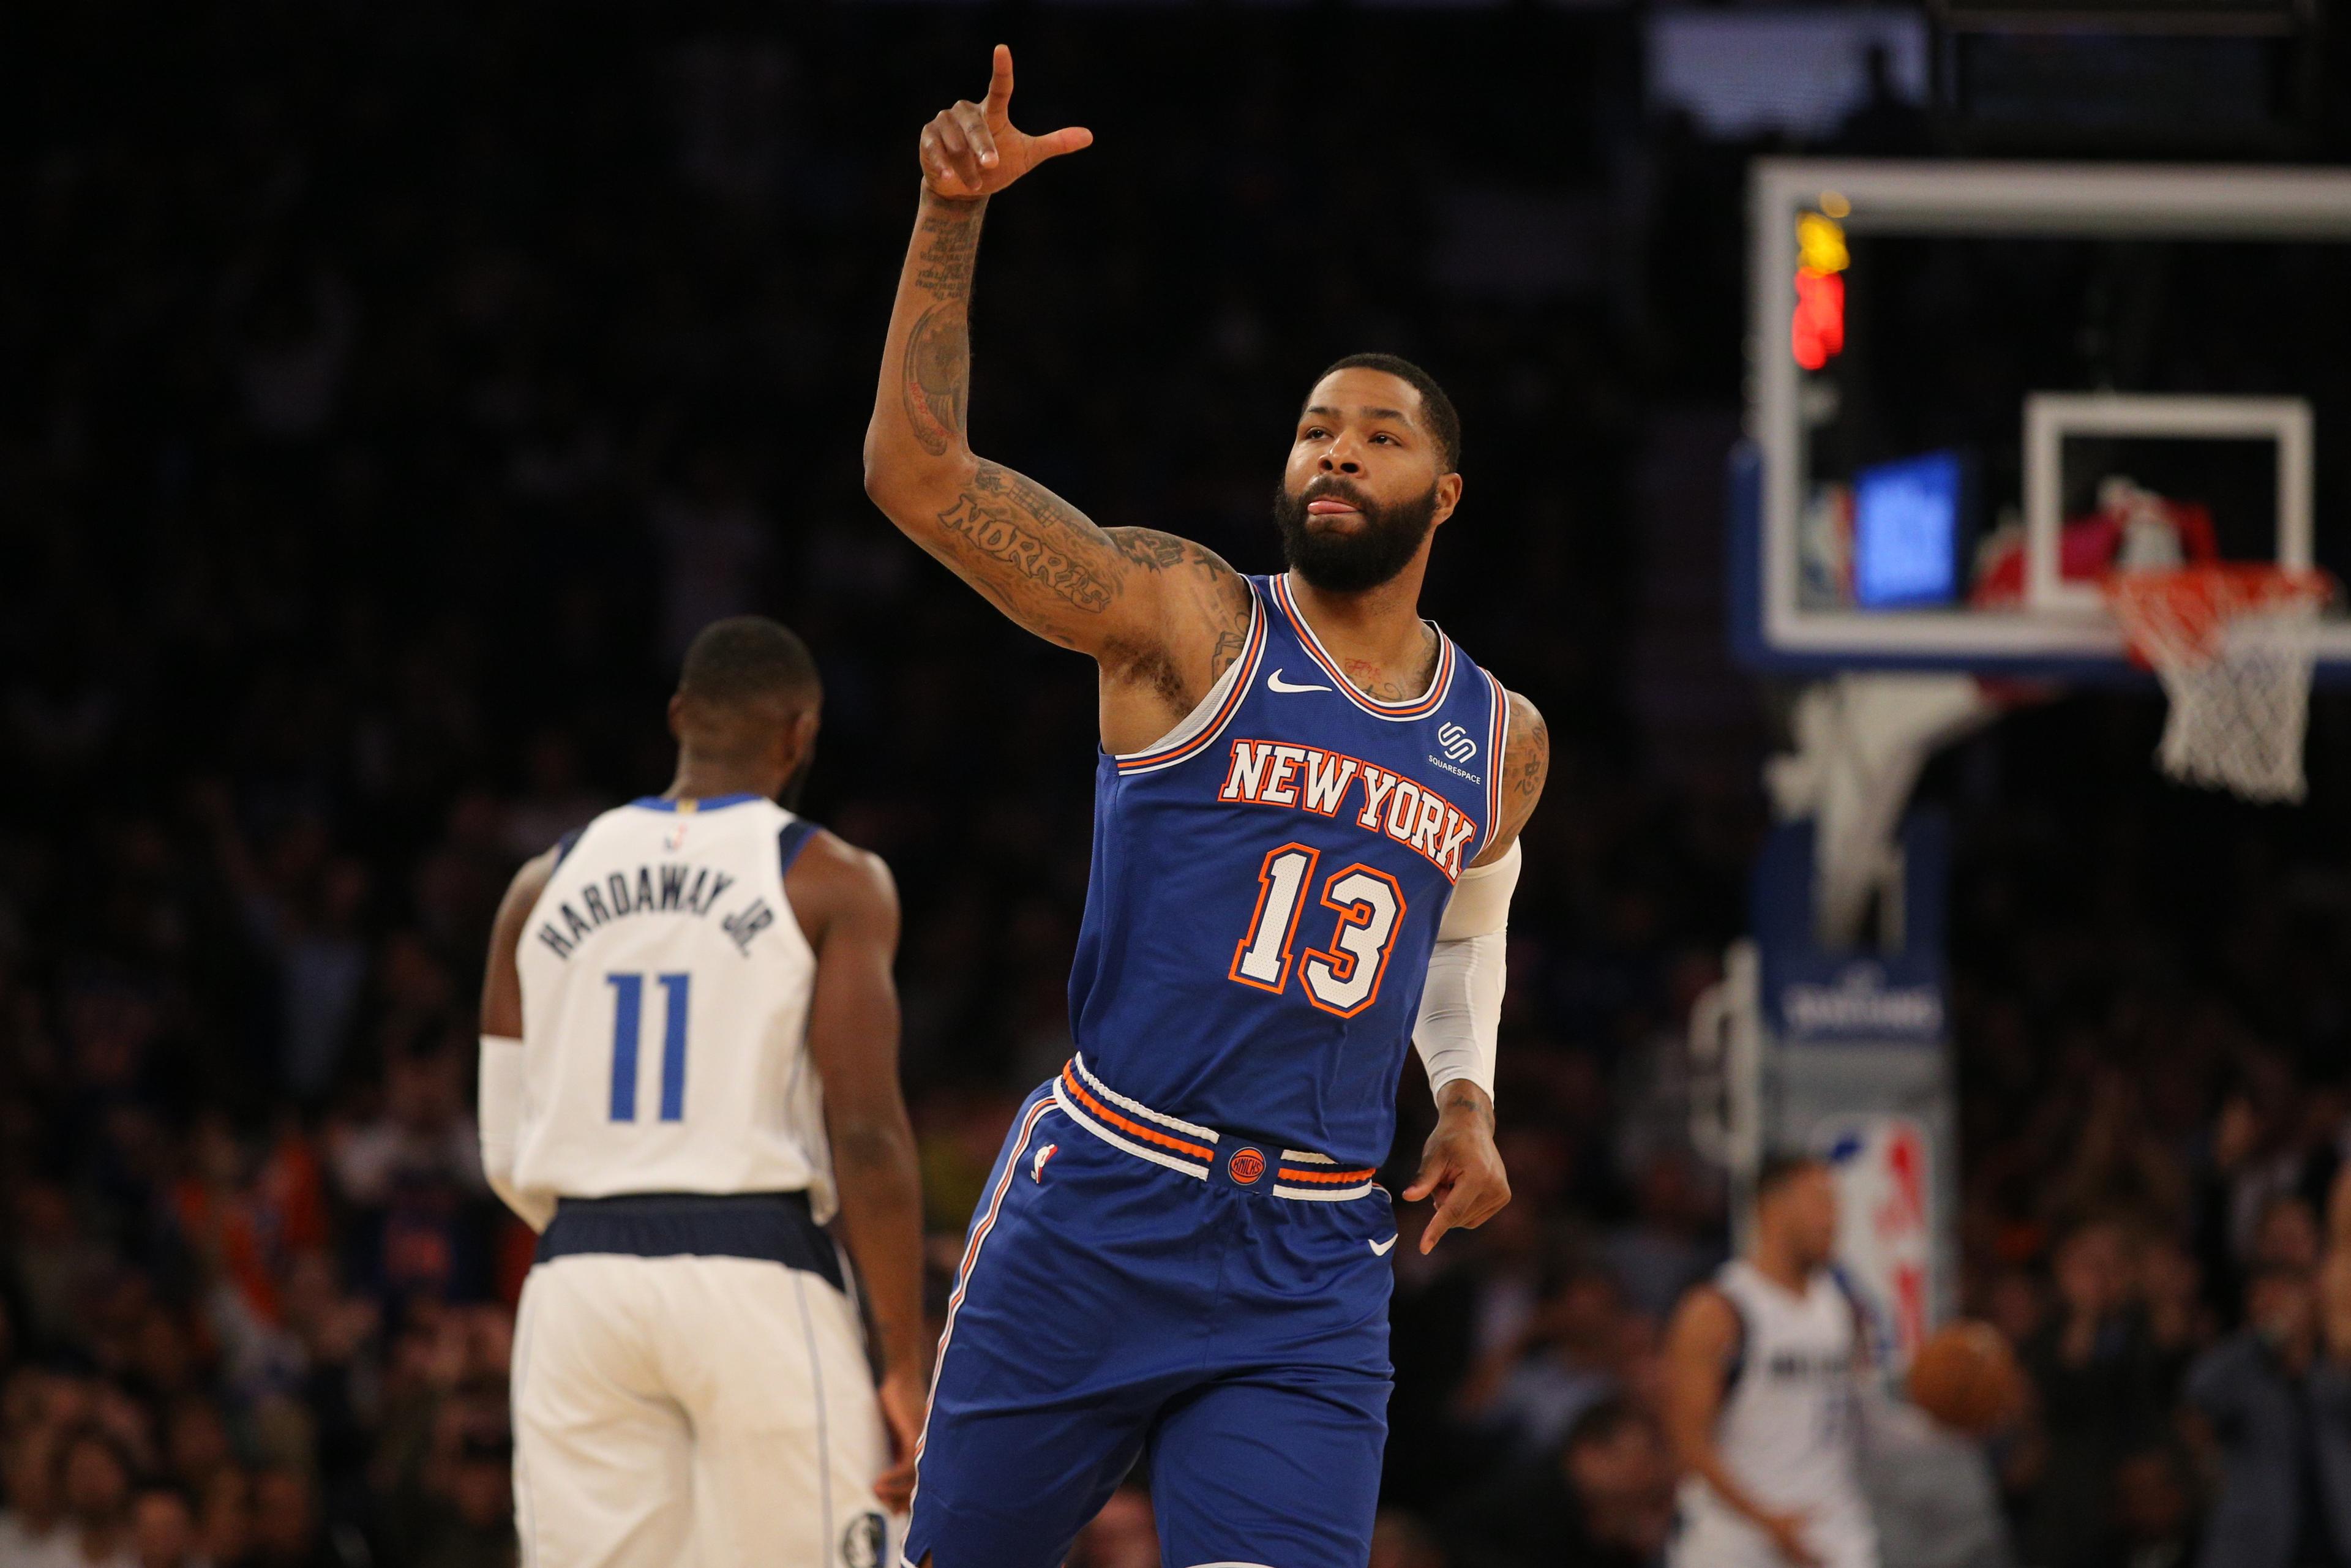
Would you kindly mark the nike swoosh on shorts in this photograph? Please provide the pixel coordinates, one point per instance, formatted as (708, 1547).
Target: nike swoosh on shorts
(1274, 682)
(1381, 1248)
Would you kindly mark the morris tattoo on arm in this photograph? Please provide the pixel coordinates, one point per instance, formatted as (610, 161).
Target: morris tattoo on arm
(1021, 525)
(1154, 610)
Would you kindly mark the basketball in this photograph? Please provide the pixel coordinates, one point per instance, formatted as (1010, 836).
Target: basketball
(1966, 1377)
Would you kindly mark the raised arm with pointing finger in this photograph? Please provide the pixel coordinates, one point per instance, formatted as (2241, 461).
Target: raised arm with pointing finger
(1162, 616)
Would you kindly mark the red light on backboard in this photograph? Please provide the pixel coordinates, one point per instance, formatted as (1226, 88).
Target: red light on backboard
(1817, 334)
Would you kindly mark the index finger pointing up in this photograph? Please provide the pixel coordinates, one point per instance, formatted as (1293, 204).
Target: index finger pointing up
(999, 85)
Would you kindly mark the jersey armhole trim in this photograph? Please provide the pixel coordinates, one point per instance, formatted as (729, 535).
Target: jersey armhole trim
(1864, 1333)
(1499, 747)
(791, 840)
(1214, 711)
(565, 845)
(1734, 1367)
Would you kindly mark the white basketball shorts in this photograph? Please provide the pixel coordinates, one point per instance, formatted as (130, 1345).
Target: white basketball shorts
(674, 1411)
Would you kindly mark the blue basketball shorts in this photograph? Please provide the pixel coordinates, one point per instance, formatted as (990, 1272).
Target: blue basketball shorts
(1134, 1287)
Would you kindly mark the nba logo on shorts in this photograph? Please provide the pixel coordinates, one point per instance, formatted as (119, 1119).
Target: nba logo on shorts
(1246, 1166)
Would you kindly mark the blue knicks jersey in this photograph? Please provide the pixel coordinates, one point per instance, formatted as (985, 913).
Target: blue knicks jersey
(1267, 887)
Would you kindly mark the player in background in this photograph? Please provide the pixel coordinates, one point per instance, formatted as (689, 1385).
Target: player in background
(689, 1063)
(1307, 808)
(1764, 1371)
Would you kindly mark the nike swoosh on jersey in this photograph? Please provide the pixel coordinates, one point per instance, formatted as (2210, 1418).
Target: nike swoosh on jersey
(1274, 682)
(1380, 1249)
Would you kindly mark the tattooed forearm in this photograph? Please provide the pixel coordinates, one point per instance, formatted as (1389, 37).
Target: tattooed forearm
(948, 247)
(935, 376)
(1026, 527)
(938, 377)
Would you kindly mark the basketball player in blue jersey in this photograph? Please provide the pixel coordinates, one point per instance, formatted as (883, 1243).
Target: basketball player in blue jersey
(1307, 806)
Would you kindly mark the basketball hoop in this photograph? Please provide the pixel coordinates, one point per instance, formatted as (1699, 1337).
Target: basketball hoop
(2233, 646)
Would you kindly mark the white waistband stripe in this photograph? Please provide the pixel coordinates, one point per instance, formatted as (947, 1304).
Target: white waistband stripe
(1322, 1193)
(1206, 1134)
(1077, 1114)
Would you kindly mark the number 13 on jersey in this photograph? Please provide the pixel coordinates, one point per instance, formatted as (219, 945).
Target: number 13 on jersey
(1343, 978)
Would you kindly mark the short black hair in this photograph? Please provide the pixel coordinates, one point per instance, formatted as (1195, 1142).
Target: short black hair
(747, 657)
(1444, 419)
(1780, 1166)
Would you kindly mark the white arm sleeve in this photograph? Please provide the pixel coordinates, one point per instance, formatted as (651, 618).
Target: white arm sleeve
(1461, 1004)
(500, 1110)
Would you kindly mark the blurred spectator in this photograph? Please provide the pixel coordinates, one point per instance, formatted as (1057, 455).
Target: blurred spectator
(97, 1493)
(556, 800)
(714, 543)
(1399, 1541)
(224, 1517)
(1603, 1499)
(2179, 1323)
(2276, 1419)
(287, 1528)
(2096, 1379)
(163, 1529)
(1936, 1501)
(468, 1520)
(1567, 1357)
(2154, 1519)
(33, 1530)
(1664, 1250)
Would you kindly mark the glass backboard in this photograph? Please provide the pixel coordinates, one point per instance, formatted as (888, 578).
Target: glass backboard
(1977, 389)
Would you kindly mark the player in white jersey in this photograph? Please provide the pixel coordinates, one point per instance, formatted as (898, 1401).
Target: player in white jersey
(1763, 1378)
(689, 1065)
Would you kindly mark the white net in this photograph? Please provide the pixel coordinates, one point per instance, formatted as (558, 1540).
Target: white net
(2234, 647)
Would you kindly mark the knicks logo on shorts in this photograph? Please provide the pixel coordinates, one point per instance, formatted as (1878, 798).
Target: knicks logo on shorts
(1246, 1166)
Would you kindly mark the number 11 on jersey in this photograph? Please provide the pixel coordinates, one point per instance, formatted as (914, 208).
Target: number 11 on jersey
(628, 1010)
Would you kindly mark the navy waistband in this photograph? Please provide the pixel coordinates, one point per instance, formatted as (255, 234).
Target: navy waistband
(773, 1227)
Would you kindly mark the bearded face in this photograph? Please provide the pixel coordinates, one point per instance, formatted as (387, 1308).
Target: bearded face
(1338, 555)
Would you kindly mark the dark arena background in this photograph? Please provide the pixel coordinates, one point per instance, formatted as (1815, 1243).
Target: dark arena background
(388, 393)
